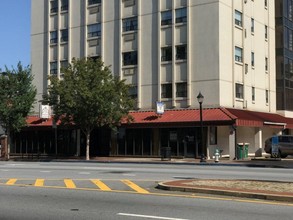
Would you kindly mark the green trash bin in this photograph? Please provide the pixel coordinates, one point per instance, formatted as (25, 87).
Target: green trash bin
(246, 146)
(240, 151)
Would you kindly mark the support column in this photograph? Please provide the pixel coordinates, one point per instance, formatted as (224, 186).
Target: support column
(258, 142)
(156, 142)
(232, 143)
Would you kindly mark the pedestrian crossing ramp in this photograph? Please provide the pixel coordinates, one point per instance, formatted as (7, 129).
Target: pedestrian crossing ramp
(124, 185)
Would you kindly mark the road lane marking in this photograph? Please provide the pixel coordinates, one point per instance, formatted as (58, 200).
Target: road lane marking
(149, 216)
(69, 184)
(15, 164)
(84, 173)
(135, 187)
(128, 174)
(101, 185)
(39, 182)
(11, 182)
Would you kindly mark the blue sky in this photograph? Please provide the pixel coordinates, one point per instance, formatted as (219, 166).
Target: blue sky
(15, 33)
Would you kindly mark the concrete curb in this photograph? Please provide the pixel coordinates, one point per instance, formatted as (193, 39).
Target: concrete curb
(251, 163)
(263, 196)
(164, 163)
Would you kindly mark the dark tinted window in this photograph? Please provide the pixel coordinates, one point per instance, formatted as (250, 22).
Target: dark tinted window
(291, 139)
(286, 139)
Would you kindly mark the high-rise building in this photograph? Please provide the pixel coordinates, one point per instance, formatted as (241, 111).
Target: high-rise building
(284, 56)
(170, 50)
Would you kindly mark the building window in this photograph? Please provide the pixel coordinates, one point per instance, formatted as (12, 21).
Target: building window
(239, 91)
(64, 5)
(266, 32)
(130, 58)
(133, 92)
(181, 89)
(130, 24)
(266, 64)
(128, 3)
(93, 2)
(94, 30)
(288, 39)
(181, 15)
(238, 18)
(252, 25)
(288, 68)
(166, 91)
(252, 59)
(53, 37)
(266, 3)
(64, 35)
(267, 96)
(166, 17)
(53, 68)
(181, 52)
(166, 54)
(238, 54)
(54, 6)
(253, 94)
(289, 10)
(95, 58)
(63, 64)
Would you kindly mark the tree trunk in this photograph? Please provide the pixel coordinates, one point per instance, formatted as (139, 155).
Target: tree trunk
(8, 144)
(88, 145)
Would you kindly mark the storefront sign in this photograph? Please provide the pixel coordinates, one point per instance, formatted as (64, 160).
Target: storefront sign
(160, 108)
(45, 111)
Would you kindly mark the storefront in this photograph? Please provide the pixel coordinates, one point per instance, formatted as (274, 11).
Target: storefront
(179, 130)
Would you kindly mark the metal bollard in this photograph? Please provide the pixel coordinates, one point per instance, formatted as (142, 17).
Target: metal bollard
(217, 155)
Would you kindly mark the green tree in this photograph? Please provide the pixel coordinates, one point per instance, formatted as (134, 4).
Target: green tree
(17, 95)
(89, 96)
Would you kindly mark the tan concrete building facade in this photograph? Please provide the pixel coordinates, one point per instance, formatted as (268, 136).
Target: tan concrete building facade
(185, 45)
(170, 50)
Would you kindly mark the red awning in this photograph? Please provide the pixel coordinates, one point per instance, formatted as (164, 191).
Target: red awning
(191, 117)
(181, 117)
(260, 119)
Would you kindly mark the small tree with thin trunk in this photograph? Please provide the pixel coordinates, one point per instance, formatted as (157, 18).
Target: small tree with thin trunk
(17, 96)
(89, 96)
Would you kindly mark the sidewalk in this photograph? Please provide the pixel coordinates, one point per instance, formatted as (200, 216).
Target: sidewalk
(249, 162)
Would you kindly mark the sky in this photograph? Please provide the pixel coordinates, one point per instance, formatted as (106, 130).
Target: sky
(15, 33)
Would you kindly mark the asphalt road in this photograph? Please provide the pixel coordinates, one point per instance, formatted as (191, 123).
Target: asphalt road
(155, 172)
(126, 191)
(36, 203)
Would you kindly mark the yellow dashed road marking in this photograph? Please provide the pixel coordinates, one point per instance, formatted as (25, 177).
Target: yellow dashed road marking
(135, 187)
(101, 185)
(39, 182)
(69, 184)
(11, 182)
